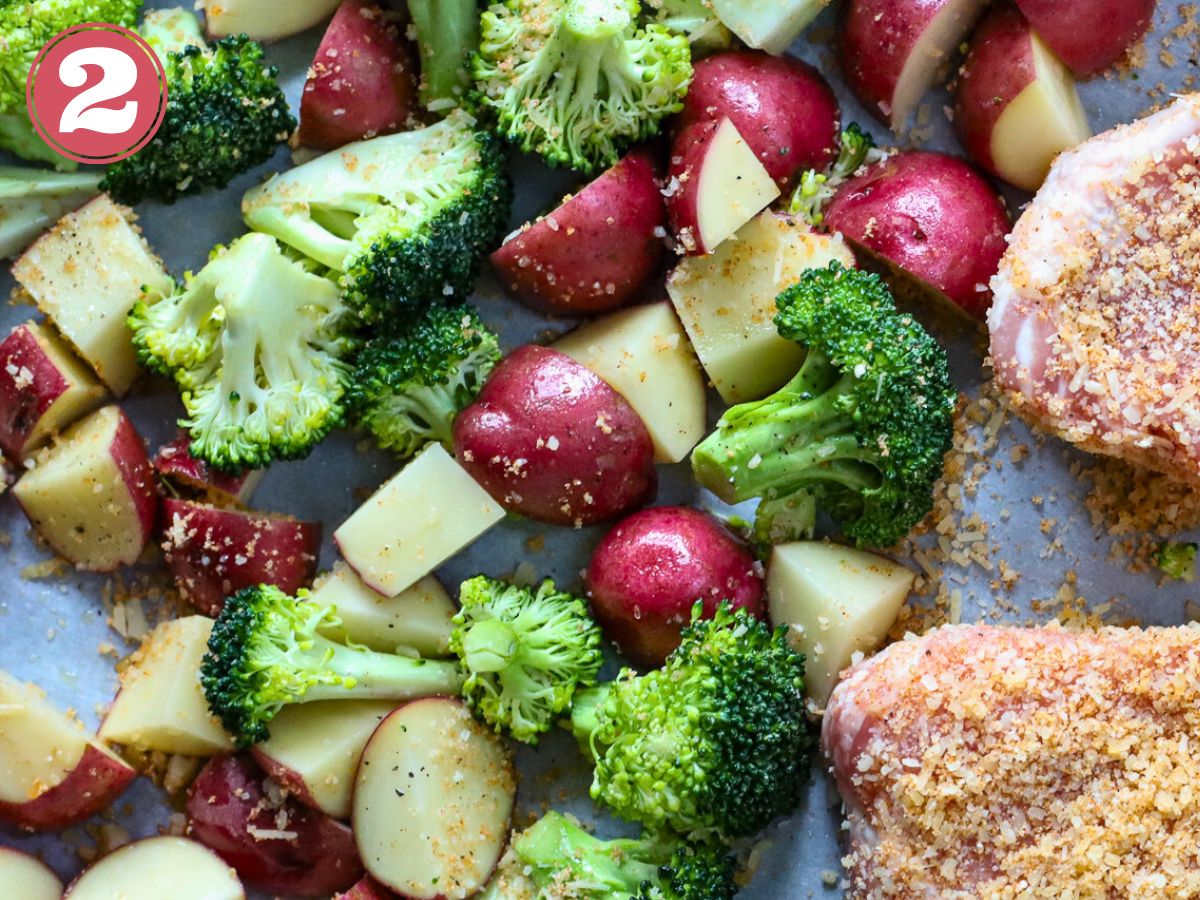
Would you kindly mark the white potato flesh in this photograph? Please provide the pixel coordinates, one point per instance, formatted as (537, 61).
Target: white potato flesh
(160, 868)
(161, 704)
(418, 617)
(24, 877)
(732, 187)
(319, 744)
(426, 513)
(264, 20)
(835, 601)
(85, 274)
(645, 356)
(938, 43)
(726, 302)
(432, 801)
(770, 25)
(1043, 120)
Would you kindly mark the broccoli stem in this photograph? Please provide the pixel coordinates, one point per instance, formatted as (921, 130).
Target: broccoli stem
(554, 842)
(18, 137)
(489, 646)
(171, 30)
(31, 200)
(447, 33)
(369, 675)
(584, 719)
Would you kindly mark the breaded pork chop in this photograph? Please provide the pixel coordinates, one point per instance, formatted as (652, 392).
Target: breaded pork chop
(1016, 762)
(1095, 326)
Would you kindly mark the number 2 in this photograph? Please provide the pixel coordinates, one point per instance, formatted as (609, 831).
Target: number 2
(120, 75)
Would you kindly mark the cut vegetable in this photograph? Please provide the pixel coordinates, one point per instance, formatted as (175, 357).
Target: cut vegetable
(25, 877)
(432, 801)
(159, 868)
(771, 25)
(174, 462)
(835, 601)
(264, 20)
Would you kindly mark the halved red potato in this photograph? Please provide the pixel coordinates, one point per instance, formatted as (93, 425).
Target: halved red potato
(891, 50)
(1089, 35)
(156, 868)
(1016, 107)
(174, 462)
(214, 552)
(432, 801)
(92, 496)
(27, 877)
(362, 82)
(597, 251)
(264, 20)
(43, 388)
(367, 888)
(272, 841)
(53, 773)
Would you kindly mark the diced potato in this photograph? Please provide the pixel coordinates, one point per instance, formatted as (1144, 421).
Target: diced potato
(27, 877)
(726, 302)
(85, 274)
(426, 513)
(156, 869)
(835, 601)
(161, 705)
(771, 25)
(418, 617)
(644, 355)
(264, 20)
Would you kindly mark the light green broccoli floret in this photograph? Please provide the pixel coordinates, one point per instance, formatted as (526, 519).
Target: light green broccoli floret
(1177, 560)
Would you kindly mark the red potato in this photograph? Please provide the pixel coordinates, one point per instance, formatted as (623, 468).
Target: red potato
(892, 50)
(716, 185)
(92, 496)
(932, 216)
(595, 252)
(366, 889)
(175, 463)
(27, 877)
(272, 841)
(783, 107)
(214, 552)
(651, 569)
(362, 82)
(1089, 35)
(157, 868)
(1016, 107)
(549, 439)
(43, 389)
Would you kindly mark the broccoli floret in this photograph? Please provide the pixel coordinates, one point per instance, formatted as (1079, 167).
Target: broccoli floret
(577, 81)
(862, 427)
(816, 189)
(715, 740)
(555, 859)
(525, 653)
(265, 652)
(256, 342)
(225, 114)
(447, 33)
(31, 200)
(407, 390)
(1177, 560)
(405, 217)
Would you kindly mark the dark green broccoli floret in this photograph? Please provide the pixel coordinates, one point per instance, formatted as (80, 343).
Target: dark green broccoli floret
(256, 342)
(577, 81)
(555, 859)
(31, 200)
(405, 217)
(862, 427)
(447, 34)
(225, 114)
(816, 189)
(1177, 560)
(266, 652)
(407, 390)
(715, 740)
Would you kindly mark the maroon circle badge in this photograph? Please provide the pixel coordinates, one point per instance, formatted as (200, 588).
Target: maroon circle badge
(96, 93)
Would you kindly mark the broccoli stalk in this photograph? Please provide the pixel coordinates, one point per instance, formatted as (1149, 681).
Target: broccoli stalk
(555, 858)
(862, 428)
(522, 655)
(407, 390)
(171, 30)
(404, 218)
(576, 80)
(447, 33)
(1177, 560)
(715, 740)
(250, 396)
(694, 18)
(31, 200)
(816, 189)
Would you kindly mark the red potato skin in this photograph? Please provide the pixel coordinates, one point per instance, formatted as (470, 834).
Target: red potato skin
(174, 462)
(782, 107)
(128, 451)
(597, 251)
(366, 889)
(548, 439)
(23, 405)
(215, 552)
(228, 797)
(650, 570)
(1089, 35)
(932, 215)
(362, 82)
(688, 150)
(95, 782)
(288, 778)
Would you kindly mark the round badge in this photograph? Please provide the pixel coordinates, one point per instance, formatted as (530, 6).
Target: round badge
(96, 93)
